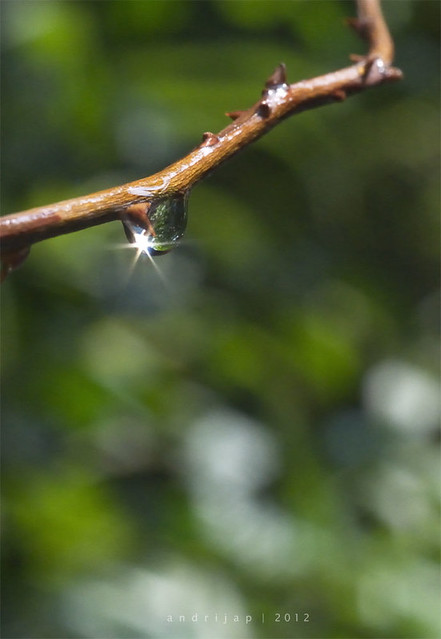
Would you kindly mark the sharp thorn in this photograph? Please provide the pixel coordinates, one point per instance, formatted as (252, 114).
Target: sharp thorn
(234, 114)
(277, 77)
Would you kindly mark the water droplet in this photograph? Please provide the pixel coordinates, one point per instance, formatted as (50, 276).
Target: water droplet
(165, 223)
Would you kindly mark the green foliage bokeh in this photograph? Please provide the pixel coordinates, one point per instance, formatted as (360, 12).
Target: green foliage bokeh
(253, 431)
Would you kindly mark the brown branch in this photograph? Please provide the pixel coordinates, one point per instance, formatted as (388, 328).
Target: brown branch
(279, 100)
(381, 43)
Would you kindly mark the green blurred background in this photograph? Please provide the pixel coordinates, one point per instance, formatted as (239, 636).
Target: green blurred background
(254, 432)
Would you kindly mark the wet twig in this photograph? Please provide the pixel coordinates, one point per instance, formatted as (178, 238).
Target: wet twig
(279, 100)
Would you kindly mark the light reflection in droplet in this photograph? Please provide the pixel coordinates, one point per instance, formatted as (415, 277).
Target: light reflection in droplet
(162, 228)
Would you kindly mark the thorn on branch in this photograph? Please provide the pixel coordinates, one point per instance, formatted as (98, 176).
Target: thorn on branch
(234, 114)
(138, 215)
(355, 57)
(11, 261)
(360, 25)
(209, 139)
(340, 95)
(278, 77)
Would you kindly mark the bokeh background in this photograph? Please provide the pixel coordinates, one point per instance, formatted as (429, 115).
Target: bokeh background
(252, 433)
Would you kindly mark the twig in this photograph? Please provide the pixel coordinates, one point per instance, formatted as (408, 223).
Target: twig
(279, 100)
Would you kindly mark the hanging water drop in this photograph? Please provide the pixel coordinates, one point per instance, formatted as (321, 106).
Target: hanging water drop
(157, 227)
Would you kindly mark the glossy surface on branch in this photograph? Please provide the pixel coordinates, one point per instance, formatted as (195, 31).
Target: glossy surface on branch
(279, 100)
